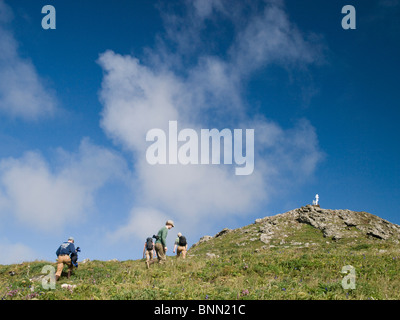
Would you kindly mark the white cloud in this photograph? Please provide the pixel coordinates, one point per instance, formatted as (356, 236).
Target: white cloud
(12, 253)
(23, 94)
(137, 100)
(143, 97)
(142, 223)
(47, 199)
(270, 37)
(6, 14)
(138, 97)
(204, 9)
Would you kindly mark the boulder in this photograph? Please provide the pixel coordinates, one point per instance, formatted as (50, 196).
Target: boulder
(202, 239)
(222, 232)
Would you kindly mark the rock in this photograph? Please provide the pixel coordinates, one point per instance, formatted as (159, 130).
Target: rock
(333, 224)
(380, 234)
(37, 278)
(336, 224)
(222, 232)
(68, 286)
(205, 238)
(266, 238)
(202, 239)
(211, 255)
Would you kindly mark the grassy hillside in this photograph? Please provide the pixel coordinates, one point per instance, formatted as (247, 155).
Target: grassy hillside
(298, 262)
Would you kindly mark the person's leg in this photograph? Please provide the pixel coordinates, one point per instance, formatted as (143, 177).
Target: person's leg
(149, 258)
(60, 266)
(182, 251)
(160, 253)
(179, 251)
(68, 262)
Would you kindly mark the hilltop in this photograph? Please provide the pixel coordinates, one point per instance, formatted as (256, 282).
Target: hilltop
(333, 224)
(298, 254)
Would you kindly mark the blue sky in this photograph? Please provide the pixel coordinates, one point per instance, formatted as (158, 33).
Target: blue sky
(76, 103)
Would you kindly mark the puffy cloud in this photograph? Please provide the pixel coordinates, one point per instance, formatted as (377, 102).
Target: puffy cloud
(142, 223)
(15, 253)
(135, 98)
(47, 198)
(140, 96)
(6, 14)
(23, 94)
(271, 38)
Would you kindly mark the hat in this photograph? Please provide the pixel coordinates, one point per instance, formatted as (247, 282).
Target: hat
(170, 222)
(179, 234)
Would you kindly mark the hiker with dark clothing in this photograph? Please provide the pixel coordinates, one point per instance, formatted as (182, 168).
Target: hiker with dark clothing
(161, 243)
(149, 250)
(182, 245)
(63, 257)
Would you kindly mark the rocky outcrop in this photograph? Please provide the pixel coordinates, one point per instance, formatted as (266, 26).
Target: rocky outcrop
(222, 232)
(338, 224)
(334, 224)
(202, 239)
(207, 238)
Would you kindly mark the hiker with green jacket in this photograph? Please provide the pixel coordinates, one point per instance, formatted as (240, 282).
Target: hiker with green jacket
(161, 243)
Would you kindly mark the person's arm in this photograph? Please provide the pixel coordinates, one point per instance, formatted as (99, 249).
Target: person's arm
(144, 249)
(164, 238)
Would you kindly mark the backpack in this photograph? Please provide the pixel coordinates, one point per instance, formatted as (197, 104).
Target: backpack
(74, 259)
(149, 244)
(182, 241)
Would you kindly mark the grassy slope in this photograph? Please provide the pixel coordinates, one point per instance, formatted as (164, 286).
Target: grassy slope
(245, 268)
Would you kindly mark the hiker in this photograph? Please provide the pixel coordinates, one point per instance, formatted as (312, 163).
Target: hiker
(149, 249)
(63, 257)
(182, 245)
(161, 243)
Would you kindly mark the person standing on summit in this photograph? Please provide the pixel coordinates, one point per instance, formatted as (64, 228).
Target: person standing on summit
(161, 243)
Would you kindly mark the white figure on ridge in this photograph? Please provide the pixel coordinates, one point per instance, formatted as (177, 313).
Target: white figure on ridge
(315, 202)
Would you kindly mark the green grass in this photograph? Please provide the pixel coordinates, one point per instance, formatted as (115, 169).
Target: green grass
(244, 269)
